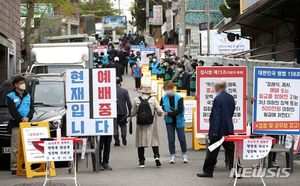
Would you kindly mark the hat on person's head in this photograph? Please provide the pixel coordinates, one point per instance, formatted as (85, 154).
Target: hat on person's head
(116, 58)
(145, 89)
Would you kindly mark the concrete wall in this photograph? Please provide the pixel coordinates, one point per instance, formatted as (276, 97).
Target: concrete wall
(10, 28)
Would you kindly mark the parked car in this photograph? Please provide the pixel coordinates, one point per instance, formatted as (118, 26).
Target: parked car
(48, 93)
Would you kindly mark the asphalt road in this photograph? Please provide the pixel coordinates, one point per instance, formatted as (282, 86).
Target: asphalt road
(126, 172)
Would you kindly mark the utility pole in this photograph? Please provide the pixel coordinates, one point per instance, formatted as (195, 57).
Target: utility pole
(147, 18)
(181, 28)
(208, 27)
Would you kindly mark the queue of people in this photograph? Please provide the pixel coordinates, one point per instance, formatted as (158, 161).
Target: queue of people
(146, 109)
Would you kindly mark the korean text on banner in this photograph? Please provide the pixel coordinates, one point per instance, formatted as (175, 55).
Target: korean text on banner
(254, 149)
(30, 135)
(79, 122)
(277, 96)
(77, 85)
(90, 115)
(157, 15)
(235, 78)
(59, 150)
(104, 102)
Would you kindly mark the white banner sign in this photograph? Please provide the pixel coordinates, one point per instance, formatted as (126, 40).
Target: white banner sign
(157, 15)
(59, 150)
(104, 93)
(254, 149)
(30, 135)
(91, 113)
(188, 106)
(219, 44)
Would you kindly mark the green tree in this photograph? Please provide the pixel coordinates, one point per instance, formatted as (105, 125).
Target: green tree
(233, 10)
(33, 34)
(99, 8)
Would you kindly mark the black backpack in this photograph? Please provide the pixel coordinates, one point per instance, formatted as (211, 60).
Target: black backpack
(144, 113)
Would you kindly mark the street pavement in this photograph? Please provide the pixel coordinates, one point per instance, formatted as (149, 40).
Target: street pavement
(126, 172)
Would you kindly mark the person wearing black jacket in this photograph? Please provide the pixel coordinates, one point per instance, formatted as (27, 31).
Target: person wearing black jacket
(220, 124)
(115, 63)
(183, 78)
(123, 108)
(21, 109)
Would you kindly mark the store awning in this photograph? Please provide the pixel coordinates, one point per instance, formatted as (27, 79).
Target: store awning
(263, 15)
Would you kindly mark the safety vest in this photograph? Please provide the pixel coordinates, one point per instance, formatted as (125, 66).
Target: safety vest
(167, 75)
(136, 72)
(155, 69)
(193, 81)
(22, 105)
(167, 107)
(105, 59)
(131, 60)
(179, 81)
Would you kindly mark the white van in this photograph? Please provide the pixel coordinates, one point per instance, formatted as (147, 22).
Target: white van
(57, 57)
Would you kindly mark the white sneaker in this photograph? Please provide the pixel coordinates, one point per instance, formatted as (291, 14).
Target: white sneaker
(184, 158)
(172, 159)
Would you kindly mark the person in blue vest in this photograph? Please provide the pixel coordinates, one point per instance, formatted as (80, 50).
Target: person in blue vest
(172, 104)
(104, 58)
(21, 109)
(131, 59)
(137, 74)
(155, 67)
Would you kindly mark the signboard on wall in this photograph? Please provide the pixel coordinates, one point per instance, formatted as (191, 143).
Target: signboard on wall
(144, 53)
(157, 15)
(276, 108)
(236, 86)
(90, 112)
(221, 45)
(114, 22)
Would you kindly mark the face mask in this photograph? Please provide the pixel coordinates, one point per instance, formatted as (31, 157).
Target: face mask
(169, 92)
(154, 59)
(22, 86)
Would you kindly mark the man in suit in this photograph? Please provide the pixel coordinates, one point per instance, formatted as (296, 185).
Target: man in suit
(123, 108)
(220, 124)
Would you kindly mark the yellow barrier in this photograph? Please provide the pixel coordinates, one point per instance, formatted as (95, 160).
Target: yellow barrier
(189, 111)
(195, 141)
(27, 154)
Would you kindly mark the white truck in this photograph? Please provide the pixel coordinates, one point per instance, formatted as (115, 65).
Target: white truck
(57, 57)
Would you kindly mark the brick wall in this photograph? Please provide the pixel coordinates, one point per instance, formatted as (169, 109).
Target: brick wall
(10, 23)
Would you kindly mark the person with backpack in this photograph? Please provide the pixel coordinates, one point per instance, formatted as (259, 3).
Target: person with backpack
(21, 109)
(146, 109)
(172, 104)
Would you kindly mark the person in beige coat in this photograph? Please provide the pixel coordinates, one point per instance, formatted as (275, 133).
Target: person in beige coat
(147, 134)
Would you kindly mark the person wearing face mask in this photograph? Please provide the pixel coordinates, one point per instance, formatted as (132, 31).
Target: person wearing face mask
(193, 75)
(183, 78)
(220, 124)
(137, 74)
(172, 104)
(155, 67)
(21, 109)
(169, 71)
